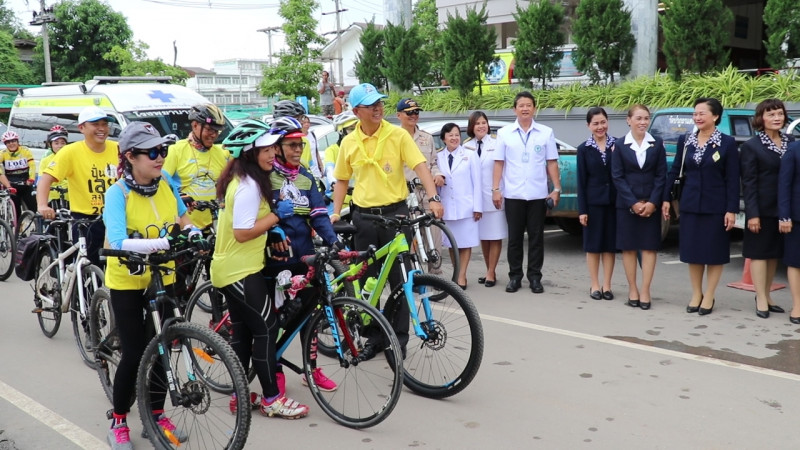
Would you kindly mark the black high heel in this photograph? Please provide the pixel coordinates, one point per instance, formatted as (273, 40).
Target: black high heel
(759, 313)
(775, 309)
(704, 311)
(693, 309)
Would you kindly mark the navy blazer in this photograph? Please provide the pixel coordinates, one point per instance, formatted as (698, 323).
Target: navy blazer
(713, 186)
(759, 167)
(789, 184)
(595, 185)
(634, 183)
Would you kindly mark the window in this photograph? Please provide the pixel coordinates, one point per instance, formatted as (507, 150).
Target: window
(740, 125)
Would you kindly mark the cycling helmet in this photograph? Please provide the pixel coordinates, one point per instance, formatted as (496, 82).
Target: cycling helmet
(344, 120)
(287, 127)
(10, 136)
(57, 132)
(207, 114)
(288, 108)
(248, 135)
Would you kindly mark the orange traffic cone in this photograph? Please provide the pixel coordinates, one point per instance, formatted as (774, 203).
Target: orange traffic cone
(746, 283)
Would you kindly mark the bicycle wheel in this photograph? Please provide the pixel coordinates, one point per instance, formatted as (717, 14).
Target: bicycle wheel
(203, 300)
(8, 214)
(49, 316)
(91, 280)
(27, 224)
(108, 349)
(7, 250)
(198, 410)
(445, 361)
(325, 344)
(367, 390)
(439, 257)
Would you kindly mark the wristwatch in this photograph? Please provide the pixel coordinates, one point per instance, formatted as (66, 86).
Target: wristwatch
(557, 190)
(435, 198)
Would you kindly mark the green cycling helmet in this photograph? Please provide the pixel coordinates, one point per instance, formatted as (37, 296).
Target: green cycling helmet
(248, 135)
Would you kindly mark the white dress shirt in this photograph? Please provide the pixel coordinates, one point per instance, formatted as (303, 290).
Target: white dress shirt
(641, 151)
(525, 155)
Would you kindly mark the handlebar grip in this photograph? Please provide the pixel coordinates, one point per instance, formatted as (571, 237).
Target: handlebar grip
(115, 253)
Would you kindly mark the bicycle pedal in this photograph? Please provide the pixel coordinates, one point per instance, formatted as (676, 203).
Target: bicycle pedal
(37, 310)
(110, 414)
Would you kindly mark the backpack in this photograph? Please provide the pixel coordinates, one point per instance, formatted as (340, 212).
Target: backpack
(27, 256)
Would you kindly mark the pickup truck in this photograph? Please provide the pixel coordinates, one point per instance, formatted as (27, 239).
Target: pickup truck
(667, 124)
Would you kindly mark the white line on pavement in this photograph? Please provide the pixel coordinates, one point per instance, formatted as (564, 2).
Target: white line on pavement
(646, 348)
(59, 424)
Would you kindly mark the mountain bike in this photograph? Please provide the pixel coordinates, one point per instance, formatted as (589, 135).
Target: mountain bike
(194, 368)
(8, 249)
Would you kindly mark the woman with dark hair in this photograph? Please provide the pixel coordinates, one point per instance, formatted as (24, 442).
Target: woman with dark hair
(709, 161)
(461, 196)
(639, 169)
(492, 228)
(238, 267)
(789, 212)
(596, 202)
(760, 161)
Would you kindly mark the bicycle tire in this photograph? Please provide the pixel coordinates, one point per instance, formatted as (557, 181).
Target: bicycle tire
(108, 349)
(204, 305)
(206, 414)
(27, 224)
(8, 250)
(49, 317)
(367, 390)
(325, 343)
(8, 213)
(92, 279)
(446, 362)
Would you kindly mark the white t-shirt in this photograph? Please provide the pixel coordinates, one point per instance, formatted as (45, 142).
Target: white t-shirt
(325, 97)
(245, 208)
(525, 155)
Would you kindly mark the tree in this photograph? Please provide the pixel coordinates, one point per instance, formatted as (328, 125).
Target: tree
(403, 66)
(297, 72)
(426, 16)
(782, 21)
(133, 61)
(83, 32)
(468, 46)
(14, 70)
(369, 64)
(539, 39)
(602, 32)
(695, 34)
(9, 22)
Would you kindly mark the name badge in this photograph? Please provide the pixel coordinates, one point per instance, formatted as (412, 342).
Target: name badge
(715, 156)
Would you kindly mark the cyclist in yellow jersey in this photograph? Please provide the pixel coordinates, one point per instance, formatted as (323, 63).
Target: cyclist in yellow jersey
(238, 265)
(141, 209)
(195, 163)
(56, 139)
(20, 170)
(90, 168)
(344, 124)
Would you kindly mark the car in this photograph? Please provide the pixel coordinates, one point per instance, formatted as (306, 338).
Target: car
(326, 136)
(434, 127)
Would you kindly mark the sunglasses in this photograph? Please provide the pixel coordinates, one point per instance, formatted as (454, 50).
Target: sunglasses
(153, 153)
(414, 112)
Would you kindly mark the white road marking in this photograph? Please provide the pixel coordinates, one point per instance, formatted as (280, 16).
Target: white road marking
(62, 426)
(646, 348)
(553, 231)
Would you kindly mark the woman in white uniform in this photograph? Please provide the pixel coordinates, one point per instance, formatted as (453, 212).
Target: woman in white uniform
(461, 195)
(492, 228)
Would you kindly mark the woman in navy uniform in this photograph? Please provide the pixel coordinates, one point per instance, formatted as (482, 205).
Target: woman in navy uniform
(760, 161)
(709, 202)
(788, 213)
(639, 170)
(596, 203)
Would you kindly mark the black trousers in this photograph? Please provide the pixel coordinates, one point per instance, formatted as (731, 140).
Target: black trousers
(525, 216)
(23, 195)
(95, 237)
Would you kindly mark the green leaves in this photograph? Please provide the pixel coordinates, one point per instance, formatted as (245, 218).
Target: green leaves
(468, 46)
(695, 33)
(536, 48)
(403, 67)
(132, 61)
(782, 21)
(602, 32)
(14, 71)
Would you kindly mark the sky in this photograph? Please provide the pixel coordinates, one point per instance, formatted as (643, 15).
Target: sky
(226, 30)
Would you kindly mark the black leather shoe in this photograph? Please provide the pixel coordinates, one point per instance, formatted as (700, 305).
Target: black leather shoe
(536, 287)
(794, 320)
(704, 311)
(608, 295)
(513, 285)
(693, 309)
(644, 306)
(481, 280)
(759, 313)
(368, 352)
(490, 283)
(597, 295)
(633, 303)
(775, 309)
(463, 287)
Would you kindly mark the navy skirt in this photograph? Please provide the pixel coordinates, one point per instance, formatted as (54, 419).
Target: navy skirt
(766, 244)
(703, 239)
(638, 233)
(600, 233)
(791, 247)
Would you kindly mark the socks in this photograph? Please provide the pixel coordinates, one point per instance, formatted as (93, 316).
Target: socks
(118, 420)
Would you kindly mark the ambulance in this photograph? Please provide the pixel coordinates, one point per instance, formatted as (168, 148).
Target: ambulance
(149, 99)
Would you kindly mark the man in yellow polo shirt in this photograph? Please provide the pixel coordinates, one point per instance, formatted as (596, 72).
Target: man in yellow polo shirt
(90, 168)
(374, 155)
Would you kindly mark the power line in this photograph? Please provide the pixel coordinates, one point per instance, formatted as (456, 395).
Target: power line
(208, 4)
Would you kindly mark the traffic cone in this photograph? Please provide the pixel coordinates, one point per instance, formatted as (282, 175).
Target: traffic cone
(746, 283)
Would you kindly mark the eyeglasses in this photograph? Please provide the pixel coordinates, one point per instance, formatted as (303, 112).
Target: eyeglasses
(153, 153)
(375, 106)
(414, 112)
(293, 145)
(213, 130)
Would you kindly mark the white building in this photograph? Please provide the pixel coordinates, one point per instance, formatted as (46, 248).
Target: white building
(351, 46)
(231, 82)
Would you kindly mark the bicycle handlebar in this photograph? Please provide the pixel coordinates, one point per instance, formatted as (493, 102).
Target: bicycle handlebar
(398, 222)
(152, 259)
(202, 205)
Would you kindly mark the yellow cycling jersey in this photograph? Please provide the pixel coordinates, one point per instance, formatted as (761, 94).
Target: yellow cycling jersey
(18, 166)
(234, 260)
(196, 173)
(89, 174)
(61, 183)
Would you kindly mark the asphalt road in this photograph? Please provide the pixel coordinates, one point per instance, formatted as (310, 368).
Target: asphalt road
(560, 371)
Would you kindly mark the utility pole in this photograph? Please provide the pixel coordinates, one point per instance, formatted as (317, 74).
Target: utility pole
(338, 40)
(269, 32)
(43, 18)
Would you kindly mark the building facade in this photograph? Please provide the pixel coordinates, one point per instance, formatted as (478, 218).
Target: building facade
(232, 82)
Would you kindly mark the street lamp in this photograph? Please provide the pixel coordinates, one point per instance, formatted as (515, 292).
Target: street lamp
(269, 32)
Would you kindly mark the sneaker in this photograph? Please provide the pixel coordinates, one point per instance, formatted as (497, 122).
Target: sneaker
(170, 430)
(119, 437)
(281, 378)
(284, 407)
(323, 383)
(255, 402)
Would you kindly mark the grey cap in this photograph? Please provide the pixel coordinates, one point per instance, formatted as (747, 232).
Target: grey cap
(142, 135)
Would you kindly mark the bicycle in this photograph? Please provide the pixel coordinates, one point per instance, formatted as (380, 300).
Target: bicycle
(368, 389)
(7, 212)
(445, 345)
(8, 250)
(27, 220)
(189, 276)
(61, 286)
(194, 368)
